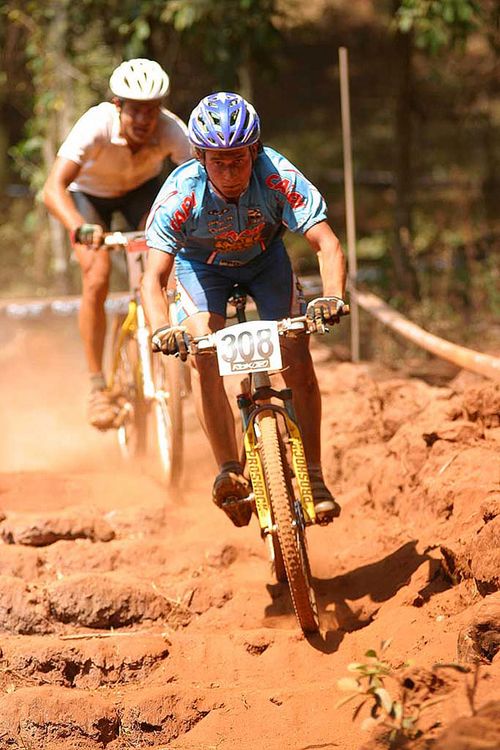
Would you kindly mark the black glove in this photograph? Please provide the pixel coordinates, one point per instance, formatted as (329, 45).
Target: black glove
(87, 234)
(171, 340)
(324, 311)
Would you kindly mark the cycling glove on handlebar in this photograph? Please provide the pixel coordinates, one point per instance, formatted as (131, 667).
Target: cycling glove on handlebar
(87, 234)
(171, 340)
(324, 311)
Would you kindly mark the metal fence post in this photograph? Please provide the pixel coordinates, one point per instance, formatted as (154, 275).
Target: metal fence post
(349, 200)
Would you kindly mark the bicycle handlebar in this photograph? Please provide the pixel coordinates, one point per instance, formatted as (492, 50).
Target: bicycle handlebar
(120, 240)
(300, 324)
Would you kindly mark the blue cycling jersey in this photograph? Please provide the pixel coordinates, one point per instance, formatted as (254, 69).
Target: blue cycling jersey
(190, 219)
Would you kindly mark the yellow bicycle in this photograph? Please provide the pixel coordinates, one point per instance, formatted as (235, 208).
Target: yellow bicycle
(149, 390)
(273, 449)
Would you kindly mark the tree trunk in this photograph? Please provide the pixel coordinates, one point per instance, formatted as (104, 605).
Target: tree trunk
(57, 128)
(245, 84)
(401, 247)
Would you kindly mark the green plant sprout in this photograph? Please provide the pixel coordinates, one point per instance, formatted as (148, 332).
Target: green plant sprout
(369, 686)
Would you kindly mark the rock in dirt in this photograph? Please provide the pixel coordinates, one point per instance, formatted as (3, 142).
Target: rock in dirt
(479, 639)
(39, 530)
(484, 553)
(482, 403)
(479, 732)
(477, 557)
(136, 521)
(46, 717)
(21, 562)
(209, 594)
(403, 400)
(23, 608)
(110, 601)
(457, 431)
(84, 663)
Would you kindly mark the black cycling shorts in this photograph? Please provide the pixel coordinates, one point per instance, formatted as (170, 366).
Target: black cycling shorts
(134, 206)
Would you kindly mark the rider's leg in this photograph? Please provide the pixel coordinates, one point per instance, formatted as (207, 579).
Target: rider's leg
(216, 417)
(95, 266)
(299, 375)
(212, 404)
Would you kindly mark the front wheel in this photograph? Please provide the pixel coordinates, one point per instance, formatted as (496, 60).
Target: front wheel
(167, 408)
(132, 433)
(289, 522)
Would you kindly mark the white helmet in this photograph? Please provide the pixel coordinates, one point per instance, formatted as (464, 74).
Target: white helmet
(139, 79)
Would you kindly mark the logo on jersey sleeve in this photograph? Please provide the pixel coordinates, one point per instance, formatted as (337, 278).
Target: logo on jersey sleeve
(182, 214)
(285, 187)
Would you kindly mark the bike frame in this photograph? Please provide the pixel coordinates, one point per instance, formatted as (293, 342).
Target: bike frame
(150, 422)
(135, 326)
(250, 410)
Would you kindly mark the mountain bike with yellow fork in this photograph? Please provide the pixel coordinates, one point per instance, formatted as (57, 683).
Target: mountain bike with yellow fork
(273, 452)
(150, 391)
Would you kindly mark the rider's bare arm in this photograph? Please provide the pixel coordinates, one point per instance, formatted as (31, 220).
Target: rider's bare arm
(55, 193)
(332, 264)
(158, 268)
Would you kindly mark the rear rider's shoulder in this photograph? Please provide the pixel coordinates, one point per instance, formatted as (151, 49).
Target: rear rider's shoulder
(102, 114)
(97, 123)
(270, 161)
(188, 176)
(183, 181)
(169, 119)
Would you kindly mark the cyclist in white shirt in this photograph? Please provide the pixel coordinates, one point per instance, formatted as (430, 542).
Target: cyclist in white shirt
(111, 162)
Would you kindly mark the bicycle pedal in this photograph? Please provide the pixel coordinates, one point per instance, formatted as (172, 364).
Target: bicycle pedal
(237, 500)
(238, 509)
(324, 520)
(326, 517)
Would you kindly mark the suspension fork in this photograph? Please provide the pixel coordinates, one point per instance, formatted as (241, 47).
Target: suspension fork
(299, 463)
(129, 326)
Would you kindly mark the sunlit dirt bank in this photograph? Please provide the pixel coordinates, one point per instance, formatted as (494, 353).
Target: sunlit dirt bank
(134, 619)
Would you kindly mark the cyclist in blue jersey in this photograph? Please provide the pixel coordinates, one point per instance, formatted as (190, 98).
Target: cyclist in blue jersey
(220, 219)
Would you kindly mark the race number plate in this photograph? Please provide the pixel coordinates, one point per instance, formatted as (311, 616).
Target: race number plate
(136, 260)
(253, 346)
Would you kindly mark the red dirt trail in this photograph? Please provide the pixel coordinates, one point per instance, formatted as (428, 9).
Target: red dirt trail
(134, 619)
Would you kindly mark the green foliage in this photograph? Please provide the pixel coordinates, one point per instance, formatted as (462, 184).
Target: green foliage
(369, 686)
(399, 715)
(235, 36)
(438, 23)
(70, 51)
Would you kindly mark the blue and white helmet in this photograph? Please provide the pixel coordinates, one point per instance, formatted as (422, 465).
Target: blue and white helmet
(223, 120)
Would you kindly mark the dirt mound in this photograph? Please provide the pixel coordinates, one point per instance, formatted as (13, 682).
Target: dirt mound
(429, 455)
(134, 618)
(478, 732)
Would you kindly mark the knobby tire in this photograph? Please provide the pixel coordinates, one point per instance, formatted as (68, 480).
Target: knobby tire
(291, 534)
(132, 435)
(169, 377)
